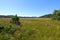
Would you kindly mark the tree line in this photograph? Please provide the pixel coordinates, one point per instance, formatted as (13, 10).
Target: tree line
(55, 15)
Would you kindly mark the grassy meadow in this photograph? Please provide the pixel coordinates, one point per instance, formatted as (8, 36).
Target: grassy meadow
(32, 29)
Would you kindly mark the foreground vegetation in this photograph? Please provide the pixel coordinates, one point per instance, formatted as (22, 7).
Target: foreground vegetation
(30, 29)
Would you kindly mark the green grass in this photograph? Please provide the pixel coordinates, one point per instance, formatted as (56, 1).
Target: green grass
(46, 29)
(32, 29)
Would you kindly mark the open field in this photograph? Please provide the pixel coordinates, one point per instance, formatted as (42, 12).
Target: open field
(44, 28)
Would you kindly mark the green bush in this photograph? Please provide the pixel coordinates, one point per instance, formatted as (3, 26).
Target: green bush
(10, 29)
(56, 15)
(15, 20)
(1, 28)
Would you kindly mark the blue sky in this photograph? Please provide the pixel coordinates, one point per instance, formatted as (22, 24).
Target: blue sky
(28, 7)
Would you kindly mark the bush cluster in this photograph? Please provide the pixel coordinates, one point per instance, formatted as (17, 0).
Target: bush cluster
(15, 20)
(56, 15)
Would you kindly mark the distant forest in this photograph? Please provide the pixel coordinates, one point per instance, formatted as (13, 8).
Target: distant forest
(10, 16)
(6, 16)
(55, 14)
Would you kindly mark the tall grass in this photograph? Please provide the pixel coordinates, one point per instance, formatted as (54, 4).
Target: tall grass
(46, 28)
(33, 29)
